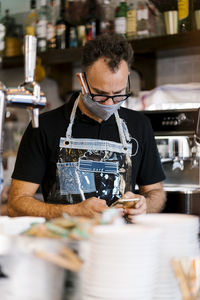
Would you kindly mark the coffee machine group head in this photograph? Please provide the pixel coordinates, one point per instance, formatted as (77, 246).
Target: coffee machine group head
(177, 134)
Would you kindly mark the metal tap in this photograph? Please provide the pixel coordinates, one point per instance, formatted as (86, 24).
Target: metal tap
(26, 95)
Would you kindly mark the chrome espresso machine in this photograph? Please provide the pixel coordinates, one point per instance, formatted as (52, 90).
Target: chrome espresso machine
(177, 134)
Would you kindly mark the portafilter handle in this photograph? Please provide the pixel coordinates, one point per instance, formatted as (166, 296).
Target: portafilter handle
(30, 44)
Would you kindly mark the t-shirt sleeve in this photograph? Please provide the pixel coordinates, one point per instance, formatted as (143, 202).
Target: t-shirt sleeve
(150, 170)
(31, 158)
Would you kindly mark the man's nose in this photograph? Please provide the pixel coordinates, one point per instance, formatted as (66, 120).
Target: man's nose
(109, 101)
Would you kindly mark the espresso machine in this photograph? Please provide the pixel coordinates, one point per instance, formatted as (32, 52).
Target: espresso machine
(27, 95)
(177, 134)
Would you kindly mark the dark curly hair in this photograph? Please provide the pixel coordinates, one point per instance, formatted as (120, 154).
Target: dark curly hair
(114, 47)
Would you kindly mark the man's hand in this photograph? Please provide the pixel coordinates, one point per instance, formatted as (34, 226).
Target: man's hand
(21, 202)
(140, 206)
(92, 207)
(152, 200)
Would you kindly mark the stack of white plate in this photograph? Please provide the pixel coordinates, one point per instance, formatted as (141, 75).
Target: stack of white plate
(179, 239)
(10, 227)
(123, 263)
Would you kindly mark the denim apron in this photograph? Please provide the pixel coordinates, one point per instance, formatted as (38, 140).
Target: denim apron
(93, 167)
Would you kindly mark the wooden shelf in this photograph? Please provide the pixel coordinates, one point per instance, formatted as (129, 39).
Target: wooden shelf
(12, 62)
(156, 44)
(60, 56)
(146, 51)
(144, 46)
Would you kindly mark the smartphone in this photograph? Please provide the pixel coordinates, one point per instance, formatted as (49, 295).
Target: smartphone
(126, 203)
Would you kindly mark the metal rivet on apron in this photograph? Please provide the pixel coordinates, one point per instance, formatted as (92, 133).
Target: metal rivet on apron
(125, 148)
(67, 143)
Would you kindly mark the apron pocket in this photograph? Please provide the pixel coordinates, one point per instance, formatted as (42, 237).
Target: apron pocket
(73, 181)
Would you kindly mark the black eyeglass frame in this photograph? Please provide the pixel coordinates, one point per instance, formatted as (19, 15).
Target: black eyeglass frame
(107, 96)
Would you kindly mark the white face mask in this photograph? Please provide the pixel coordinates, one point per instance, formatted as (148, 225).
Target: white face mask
(100, 110)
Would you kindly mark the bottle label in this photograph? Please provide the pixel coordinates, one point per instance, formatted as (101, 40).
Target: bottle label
(131, 22)
(42, 44)
(2, 37)
(120, 25)
(142, 21)
(43, 3)
(50, 31)
(60, 29)
(81, 32)
(42, 29)
(2, 45)
(142, 14)
(90, 29)
(183, 9)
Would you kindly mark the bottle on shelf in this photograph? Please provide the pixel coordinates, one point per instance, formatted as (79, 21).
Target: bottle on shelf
(51, 25)
(131, 20)
(13, 43)
(107, 17)
(81, 33)
(185, 15)
(31, 19)
(41, 27)
(9, 23)
(197, 14)
(92, 21)
(73, 37)
(120, 18)
(2, 35)
(61, 28)
(142, 19)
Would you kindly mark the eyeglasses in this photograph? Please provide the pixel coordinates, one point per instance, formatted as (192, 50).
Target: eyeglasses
(103, 98)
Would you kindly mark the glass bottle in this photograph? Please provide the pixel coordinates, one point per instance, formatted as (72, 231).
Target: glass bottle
(120, 18)
(41, 27)
(107, 17)
(12, 39)
(31, 19)
(9, 23)
(2, 35)
(142, 19)
(61, 28)
(51, 25)
(73, 37)
(185, 15)
(131, 21)
(92, 21)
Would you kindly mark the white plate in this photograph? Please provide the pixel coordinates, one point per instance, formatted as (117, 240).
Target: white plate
(15, 226)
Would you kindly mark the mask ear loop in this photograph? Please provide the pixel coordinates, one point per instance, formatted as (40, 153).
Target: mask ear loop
(83, 88)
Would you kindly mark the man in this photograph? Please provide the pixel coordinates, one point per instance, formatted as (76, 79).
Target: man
(90, 152)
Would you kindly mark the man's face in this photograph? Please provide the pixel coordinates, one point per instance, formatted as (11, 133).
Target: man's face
(103, 81)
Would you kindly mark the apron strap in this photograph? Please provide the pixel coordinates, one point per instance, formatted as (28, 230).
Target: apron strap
(72, 116)
(123, 131)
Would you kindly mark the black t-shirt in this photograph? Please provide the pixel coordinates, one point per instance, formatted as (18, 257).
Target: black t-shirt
(39, 147)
